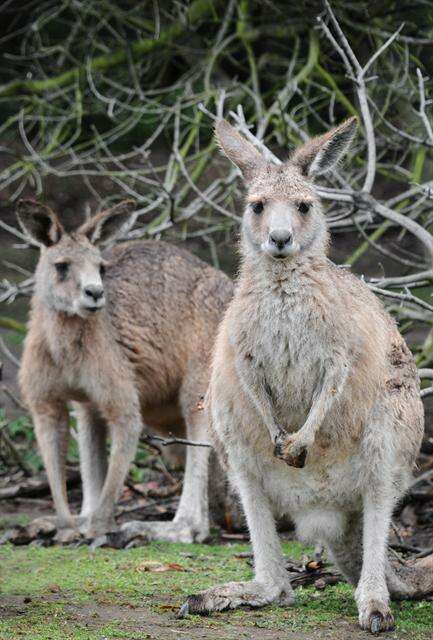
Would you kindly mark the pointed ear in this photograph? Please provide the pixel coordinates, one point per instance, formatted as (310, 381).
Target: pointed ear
(237, 149)
(39, 222)
(320, 154)
(107, 224)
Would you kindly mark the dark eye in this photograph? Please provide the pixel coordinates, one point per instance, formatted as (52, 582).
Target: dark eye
(304, 207)
(62, 269)
(102, 270)
(257, 207)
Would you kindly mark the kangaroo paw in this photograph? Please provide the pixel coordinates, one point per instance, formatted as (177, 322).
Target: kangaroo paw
(290, 449)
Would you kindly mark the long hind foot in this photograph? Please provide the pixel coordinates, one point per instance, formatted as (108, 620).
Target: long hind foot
(47, 524)
(237, 594)
(63, 531)
(176, 531)
(94, 526)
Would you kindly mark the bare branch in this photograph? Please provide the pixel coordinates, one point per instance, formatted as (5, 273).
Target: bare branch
(166, 442)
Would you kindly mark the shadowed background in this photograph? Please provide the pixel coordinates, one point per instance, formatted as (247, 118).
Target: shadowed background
(105, 100)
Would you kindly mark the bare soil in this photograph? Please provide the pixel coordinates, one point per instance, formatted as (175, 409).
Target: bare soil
(143, 623)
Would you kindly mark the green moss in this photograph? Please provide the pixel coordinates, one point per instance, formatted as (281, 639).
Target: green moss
(58, 593)
(10, 520)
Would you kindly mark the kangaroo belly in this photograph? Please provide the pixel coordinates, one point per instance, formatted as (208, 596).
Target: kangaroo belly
(315, 486)
(330, 482)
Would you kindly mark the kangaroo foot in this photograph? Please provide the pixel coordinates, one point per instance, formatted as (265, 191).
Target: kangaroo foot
(237, 594)
(63, 530)
(95, 527)
(176, 531)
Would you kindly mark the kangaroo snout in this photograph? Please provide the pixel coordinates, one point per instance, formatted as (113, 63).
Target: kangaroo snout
(279, 231)
(280, 243)
(94, 291)
(280, 238)
(93, 297)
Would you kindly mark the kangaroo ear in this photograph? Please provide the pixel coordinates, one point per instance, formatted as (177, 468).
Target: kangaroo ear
(107, 224)
(320, 154)
(237, 149)
(39, 222)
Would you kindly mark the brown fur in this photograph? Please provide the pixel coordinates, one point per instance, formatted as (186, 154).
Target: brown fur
(162, 312)
(140, 360)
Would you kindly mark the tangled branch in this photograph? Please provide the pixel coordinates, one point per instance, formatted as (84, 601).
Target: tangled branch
(277, 81)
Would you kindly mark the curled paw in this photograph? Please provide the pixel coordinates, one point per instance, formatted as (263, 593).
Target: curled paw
(290, 449)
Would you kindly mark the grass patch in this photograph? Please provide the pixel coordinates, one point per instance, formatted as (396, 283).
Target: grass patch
(57, 594)
(12, 519)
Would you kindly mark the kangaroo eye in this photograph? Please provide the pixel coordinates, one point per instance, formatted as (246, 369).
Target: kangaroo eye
(102, 270)
(257, 207)
(304, 207)
(62, 269)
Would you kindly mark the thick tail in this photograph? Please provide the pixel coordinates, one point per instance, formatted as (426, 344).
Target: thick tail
(410, 579)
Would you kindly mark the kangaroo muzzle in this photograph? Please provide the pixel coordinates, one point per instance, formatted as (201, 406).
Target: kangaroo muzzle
(280, 242)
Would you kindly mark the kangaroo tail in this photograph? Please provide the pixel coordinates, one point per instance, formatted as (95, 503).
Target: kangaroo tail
(410, 579)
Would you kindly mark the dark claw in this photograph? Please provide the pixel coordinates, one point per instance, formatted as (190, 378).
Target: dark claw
(194, 604)
(375, 623)
(379, 622)
(97, 543)
(183, 611)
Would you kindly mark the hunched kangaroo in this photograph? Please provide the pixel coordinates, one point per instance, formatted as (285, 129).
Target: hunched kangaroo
(125, 335)
(314, 395)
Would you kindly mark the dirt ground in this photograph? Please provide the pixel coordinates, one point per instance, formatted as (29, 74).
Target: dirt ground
(145, 624)
(78, 594)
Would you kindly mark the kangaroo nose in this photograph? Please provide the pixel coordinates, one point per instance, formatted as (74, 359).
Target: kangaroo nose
(280, 238)
(95, 291)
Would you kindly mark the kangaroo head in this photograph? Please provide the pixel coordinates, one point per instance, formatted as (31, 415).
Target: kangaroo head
(283, 217)
(70, 272)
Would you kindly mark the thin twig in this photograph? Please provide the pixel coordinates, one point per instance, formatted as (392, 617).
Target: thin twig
(9, 353)
(166, 442)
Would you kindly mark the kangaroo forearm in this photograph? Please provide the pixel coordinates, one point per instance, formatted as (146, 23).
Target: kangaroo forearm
(256, 392)
(263, 407)
(330, 391)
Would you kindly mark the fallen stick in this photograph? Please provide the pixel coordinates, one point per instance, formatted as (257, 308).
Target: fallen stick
(35, 487)
(166, 442)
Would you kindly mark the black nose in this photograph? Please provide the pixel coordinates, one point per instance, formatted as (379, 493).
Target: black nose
(94, 291)
(280, 238)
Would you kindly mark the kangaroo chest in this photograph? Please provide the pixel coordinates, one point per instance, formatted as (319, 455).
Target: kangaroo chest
(283, 342)
(84, 367)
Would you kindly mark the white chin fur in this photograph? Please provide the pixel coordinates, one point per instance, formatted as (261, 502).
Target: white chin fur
(272, 252)
(85, 311)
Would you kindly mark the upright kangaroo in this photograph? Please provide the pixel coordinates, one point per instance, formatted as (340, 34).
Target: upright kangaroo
(126, 336)
(314, 395)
